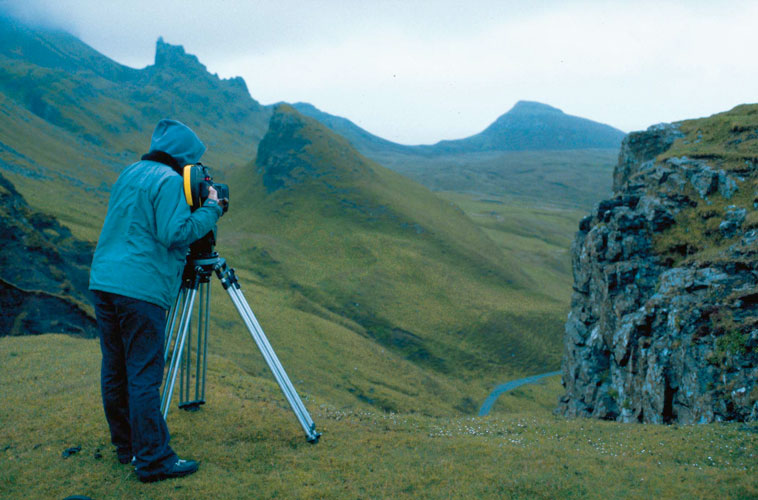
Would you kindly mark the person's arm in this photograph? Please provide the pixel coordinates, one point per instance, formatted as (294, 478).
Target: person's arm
(175, 225)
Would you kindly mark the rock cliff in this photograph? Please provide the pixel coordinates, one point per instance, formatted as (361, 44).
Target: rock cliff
(43, 272)
(663, 324)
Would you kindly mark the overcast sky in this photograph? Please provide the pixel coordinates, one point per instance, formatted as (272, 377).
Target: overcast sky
(422, 71)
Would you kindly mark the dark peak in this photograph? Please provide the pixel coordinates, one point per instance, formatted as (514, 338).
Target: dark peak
(533, 108)
(298, 149)
(284, 113)
(238, 83)
(303, 105)
(174, 56)
(287, 125)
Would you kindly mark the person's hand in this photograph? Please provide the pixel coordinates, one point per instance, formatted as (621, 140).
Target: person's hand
(212, 194)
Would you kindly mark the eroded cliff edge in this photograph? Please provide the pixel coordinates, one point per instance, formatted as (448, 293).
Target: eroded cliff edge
(44, 272)
(664, 316)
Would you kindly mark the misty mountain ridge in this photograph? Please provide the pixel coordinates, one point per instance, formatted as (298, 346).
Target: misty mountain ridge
(535, 126)
(79, 105)
(95, 111)
(528, 126)
(534, 153)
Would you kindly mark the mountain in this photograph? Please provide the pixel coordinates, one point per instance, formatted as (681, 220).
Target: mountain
(534, 153)
(663, 326)
(528, 126)
(532, 126)
(384, 263)
(74, 118)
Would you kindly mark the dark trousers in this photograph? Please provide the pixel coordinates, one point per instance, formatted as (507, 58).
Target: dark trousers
(131, 340)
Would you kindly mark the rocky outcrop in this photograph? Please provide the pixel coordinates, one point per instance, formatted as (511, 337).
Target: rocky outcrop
(655, 338)
(43, 272)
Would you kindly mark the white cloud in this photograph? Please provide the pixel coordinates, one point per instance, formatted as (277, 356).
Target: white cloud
(425, 71)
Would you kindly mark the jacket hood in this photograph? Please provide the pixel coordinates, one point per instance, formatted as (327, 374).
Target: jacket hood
(178, 140)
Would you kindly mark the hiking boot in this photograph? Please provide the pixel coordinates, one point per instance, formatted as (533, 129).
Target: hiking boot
(180, 468)
(124, 454)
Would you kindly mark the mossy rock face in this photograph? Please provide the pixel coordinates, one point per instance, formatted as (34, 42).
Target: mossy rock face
(43, 272)
(662, 327)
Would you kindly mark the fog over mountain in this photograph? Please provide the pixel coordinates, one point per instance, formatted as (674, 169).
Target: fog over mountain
(419, 72)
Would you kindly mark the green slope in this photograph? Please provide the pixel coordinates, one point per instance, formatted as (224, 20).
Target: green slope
(534, 153)
(250, 446)
(384, 261)
(373, 290)
(71, 118)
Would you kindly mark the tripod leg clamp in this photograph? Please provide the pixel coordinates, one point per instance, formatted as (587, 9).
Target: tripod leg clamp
(226, 275)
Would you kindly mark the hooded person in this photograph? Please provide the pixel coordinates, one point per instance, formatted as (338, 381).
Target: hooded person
(135, 276)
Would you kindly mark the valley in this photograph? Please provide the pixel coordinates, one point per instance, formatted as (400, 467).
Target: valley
(399, 285)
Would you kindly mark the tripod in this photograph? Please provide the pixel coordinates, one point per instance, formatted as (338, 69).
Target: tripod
(197, 278)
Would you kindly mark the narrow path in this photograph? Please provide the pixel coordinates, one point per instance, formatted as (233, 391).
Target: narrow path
(490, 401)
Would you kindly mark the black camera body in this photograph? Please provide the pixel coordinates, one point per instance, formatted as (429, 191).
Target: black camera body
(197, 183)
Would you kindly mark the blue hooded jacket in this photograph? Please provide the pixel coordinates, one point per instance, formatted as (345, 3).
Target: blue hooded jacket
(147, 231)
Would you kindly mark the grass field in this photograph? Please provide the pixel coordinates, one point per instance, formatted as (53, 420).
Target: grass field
(250, 445)
(537, 236)
(569, 179)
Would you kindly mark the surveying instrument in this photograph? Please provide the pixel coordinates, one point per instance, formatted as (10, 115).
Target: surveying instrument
(202, 263)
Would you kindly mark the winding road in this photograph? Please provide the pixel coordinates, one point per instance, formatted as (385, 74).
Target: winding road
(508, 386)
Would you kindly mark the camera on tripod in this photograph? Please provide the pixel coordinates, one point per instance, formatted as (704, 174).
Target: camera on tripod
(197, 184)
(202, 262)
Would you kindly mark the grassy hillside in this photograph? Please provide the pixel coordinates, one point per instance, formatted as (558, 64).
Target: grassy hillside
(727, 141)
(390, 276)
(527, 154)
(249, 445)
(71, 118)
(536, 236)
(374, 291)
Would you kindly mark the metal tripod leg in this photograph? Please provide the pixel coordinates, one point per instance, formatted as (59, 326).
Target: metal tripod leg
(176, 357)
(235, 293)
(186, 400)
(168, 336)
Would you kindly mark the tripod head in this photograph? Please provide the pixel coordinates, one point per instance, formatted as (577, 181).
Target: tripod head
(203, 248)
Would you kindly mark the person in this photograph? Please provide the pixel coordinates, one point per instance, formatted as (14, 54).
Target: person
(135, 276)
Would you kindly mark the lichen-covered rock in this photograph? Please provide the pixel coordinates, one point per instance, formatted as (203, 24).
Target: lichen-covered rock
(647, 339)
